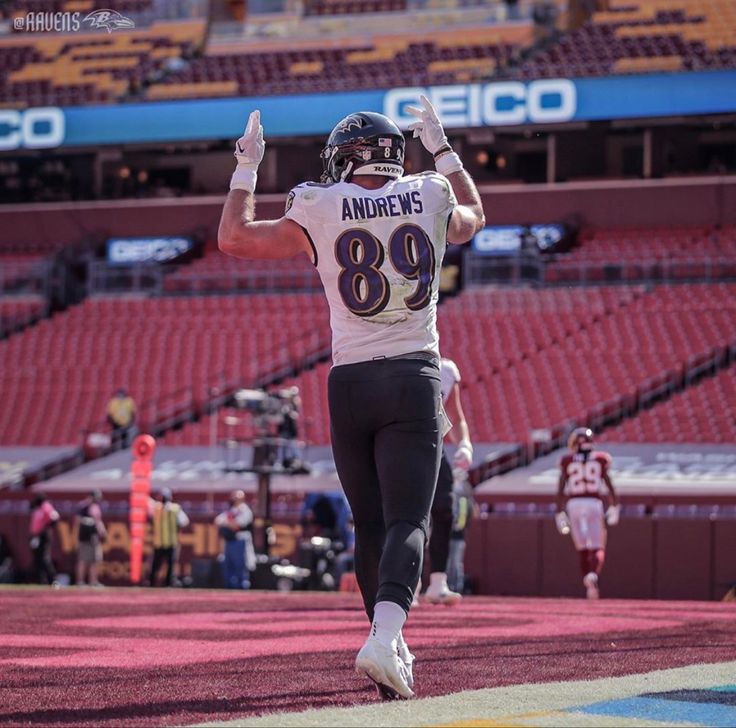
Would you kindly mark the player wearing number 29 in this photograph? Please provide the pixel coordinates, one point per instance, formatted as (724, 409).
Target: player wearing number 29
(377, 238)
(584, 472)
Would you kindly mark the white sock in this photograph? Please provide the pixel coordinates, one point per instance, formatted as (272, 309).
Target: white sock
(388, 619)
(437, 581)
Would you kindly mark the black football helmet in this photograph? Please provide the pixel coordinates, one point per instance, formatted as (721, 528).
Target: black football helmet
(364, 141)
(581, 440)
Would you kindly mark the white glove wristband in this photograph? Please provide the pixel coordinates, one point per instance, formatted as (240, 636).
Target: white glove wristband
(244, 178)
(448, 163)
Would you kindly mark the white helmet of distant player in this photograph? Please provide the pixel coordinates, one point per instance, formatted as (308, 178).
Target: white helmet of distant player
(363, 143)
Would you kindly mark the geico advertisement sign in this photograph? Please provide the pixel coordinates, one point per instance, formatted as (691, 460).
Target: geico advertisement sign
(40, 128)
(492, 104)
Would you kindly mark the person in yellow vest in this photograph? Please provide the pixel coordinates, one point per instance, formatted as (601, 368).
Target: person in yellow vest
(121, 413)
(167, 518)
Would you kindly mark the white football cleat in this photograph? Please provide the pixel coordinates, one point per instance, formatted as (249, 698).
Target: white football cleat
(382, 665)
(591, 585)
(406, 658)
(439, 593)
(443, 595)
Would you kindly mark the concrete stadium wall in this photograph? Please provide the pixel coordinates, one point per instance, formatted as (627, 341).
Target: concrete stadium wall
(646, 558)
(613, 203)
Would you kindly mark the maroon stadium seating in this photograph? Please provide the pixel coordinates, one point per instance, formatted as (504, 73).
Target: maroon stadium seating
(363, 62)
(536, 359)
(88, 67)
(648, 253)
(344, 7)
(639, 36)
(57, 376)
(633, 36)
(703, 413)
(217, 273)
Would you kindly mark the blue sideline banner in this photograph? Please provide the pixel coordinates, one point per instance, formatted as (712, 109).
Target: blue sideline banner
(504, 103)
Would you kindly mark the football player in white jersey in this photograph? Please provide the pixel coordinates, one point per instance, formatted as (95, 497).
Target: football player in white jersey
(438, 592)
(377, 238)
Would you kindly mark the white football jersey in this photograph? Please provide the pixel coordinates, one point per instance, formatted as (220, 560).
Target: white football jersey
(379, 255)
(449, 376)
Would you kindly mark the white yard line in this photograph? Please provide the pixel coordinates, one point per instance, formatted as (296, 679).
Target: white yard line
(521, 705)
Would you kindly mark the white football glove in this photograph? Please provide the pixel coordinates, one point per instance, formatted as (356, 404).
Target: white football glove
(613, 513)
(249, 150)
(562, 522)
(429, 130)
(463, 457)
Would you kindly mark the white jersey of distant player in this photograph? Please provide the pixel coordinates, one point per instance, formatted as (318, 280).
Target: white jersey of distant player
(449, 377)
(379, 255)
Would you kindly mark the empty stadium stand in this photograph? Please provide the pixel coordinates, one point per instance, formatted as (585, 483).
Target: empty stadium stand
(162, 61)
(15, 7)
(638, 254)
(345, 7)
(56, 377)
(217, 273)
(703, 413)
(541, 359)
(602, 359)
(642, 36)
(450, 56)
(87, 67)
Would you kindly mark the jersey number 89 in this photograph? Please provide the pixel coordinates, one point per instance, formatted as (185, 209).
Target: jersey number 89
(364, 289)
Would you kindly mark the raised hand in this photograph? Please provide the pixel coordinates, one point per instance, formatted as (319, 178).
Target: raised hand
(428, 127)
(249, 150)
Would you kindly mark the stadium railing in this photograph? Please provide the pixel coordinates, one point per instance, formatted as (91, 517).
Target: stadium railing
(159, 279)
(27, 277)
(555, 270)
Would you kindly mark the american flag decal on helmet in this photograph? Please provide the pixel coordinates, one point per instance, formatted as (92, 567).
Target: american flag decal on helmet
(384, 142)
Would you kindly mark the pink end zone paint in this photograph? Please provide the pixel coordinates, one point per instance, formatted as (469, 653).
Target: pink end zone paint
(82, 658)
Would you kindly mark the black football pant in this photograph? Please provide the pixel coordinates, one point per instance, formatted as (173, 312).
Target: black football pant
(439, 538)
(387, 443)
